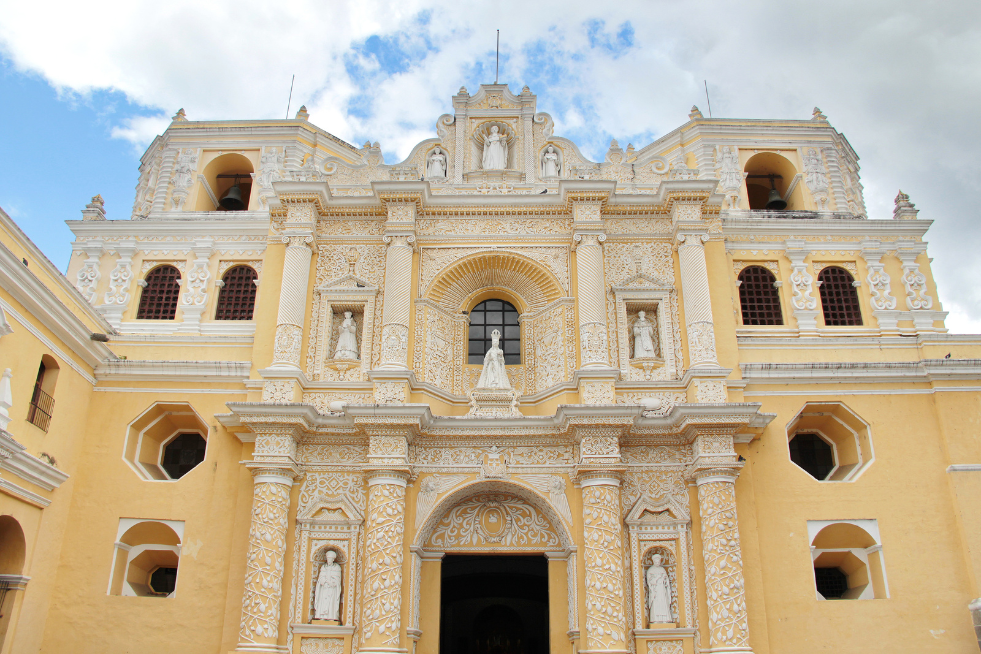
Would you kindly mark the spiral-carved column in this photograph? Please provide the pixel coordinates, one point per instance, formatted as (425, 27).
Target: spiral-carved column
(591, 299)
(724, 581)
(606, 621)
(259, 631)
(381, 612)
(292, 299)
(398, 300)
(698, 301)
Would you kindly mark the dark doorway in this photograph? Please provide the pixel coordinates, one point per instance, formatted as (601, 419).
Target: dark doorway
(494, 605)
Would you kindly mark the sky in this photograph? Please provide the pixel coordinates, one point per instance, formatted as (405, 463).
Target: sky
(84, 88)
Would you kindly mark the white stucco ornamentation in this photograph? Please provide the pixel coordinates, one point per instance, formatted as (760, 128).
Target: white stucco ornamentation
(121, 277)
(384, 528)
(88, 277)
(913, 280)
(816, 178)
(728, 625)
(494, 520)
(184, 167)
(606, 622)
(265, 560)
(593, 338)
(878, 280)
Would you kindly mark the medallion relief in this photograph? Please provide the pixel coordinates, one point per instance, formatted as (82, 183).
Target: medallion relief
(494, 521)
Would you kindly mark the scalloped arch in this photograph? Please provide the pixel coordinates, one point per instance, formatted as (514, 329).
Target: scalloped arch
(529, 281)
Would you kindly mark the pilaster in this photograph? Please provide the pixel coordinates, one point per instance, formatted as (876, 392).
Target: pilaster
(587, 243)
(802, 284)
(117, 298)
(882, 301)
(917, 301)
(194, 300)
(89, 275)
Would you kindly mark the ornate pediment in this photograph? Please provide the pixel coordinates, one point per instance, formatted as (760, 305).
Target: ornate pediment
(349, 283)
(641, 281)
(666, 511)
(337, 510)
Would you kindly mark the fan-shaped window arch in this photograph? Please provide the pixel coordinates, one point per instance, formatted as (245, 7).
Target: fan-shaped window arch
(839, 298)
(158, 301)
(758, 297)
(484, 319)
(236, 300)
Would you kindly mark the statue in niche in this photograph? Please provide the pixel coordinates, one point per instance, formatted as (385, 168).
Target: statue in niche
(436, 168)
(814, 173)
(495, 150)
(327, 601)
(347, 339)
(644, 337)
(658, 592)
(550, 163)
(494, 374)
(730, 176)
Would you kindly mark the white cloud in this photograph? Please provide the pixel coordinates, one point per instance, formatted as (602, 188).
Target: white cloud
(901, 78)
(141, 130)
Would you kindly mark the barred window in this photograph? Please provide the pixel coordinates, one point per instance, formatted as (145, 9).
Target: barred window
(158, 301)
(839, 298)
(758, 297)
(484, 319)
(236, 300)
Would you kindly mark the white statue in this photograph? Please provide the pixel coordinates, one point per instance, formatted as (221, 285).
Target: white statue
(658, 592)
(327, 601)
(550, 163)
(494, 374)
(730, 176)
(436, 169)
(495, 151)
(347, 339)
(814, 172)
(643, 337)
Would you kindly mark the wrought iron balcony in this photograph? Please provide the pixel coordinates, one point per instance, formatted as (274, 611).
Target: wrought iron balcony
(42, 406)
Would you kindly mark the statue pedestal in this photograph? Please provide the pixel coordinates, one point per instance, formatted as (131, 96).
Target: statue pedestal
(493, 403)
(662, 625)
(342, 366)
(326, 622)
(494, 177)
(648, 364)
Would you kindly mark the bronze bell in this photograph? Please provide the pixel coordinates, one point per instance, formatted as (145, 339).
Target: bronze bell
(773, 203)
(232, 200)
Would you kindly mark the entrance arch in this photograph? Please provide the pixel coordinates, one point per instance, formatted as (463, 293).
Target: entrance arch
(489, 551)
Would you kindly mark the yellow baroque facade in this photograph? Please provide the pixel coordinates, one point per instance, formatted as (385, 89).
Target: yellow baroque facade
(494, 399)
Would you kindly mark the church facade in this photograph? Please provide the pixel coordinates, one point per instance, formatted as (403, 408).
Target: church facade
(494, 399)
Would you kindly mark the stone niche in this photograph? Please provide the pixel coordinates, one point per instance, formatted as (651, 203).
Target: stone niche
(330, 302)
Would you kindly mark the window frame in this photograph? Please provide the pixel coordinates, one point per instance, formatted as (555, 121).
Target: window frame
(771, 290)
(154, 285)
(845, 307)
(228, 288)
(480, 310)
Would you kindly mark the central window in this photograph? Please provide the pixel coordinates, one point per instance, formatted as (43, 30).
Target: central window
(484, 319)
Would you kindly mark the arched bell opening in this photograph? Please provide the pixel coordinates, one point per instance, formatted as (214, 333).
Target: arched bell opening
(771, 183)
(226, 184)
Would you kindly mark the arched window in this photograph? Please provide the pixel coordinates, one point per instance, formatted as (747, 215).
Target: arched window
(484, 319)
(158, 301)
(839, 299)
(236, 300)
(758, 297)
(42, 399)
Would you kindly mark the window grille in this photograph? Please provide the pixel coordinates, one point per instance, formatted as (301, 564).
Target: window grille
(831, 582)
(839, 299)
(158, 301)
(813, 454)
(236, 300)
(42, 405)
(183, 453)
(484, 319)
(758, 298)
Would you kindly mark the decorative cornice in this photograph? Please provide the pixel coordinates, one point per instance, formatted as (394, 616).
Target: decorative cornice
(925, 371)
(169, 371)
(15, 459)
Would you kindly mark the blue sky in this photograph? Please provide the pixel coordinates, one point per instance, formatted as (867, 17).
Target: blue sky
(83, 88)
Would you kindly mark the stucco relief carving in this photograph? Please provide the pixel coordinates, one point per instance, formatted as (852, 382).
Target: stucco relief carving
(185, 165)
(88, 278)
(436, 260)
(147, 187)
(332, 454)
(429, 489)
(594, 346)
(494, 521)
(395, 344)
(711, 392)
(553, 487)
(271, 169)
(350, 227)
(659, 482)
(915, 282)
(701, 342)
(287, 344)
(665, 647)
(384, 530)
(321, 646)
(331, 484)
(277, 392)
(390, 393)
(802, 282)
(605, 616)
(541, 225)
(654, 403)
(728, 624)
(197, 283)
(598, 393)
(265, 563)
(816, 178)
(120, 279)
(879, 284)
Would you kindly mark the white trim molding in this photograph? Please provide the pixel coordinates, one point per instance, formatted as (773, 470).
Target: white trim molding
(15, 459)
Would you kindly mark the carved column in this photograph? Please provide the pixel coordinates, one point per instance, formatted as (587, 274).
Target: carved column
(599, 477)
(273, 472)
(398, 300)
(194, 301)
(883, 303)
(714, 471)
(382, 593)
(591, 298)
(697, 300)
(802, 284)
(289, 320)
(169, 158)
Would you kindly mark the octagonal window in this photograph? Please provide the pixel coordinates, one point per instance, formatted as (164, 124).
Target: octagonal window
(814, 454)
(831, 582)
(163, 581)
(183, 453)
